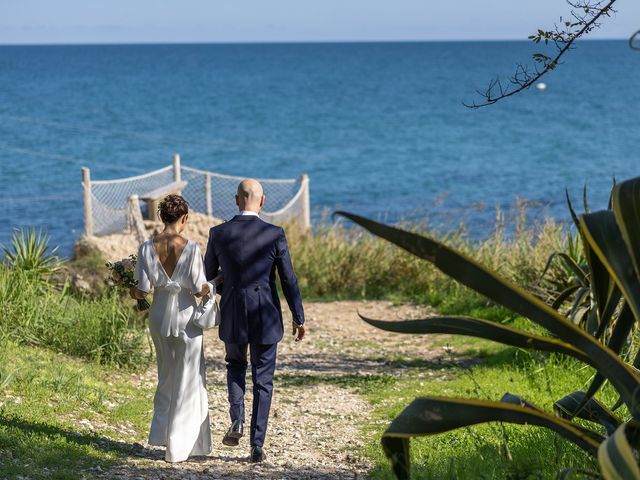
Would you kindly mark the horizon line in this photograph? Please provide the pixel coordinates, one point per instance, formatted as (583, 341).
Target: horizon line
(285, 42)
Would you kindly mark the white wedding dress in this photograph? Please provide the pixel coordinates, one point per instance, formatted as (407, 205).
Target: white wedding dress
(180, 407)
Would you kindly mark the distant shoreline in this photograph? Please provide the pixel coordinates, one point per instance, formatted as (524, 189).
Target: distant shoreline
(288, 43)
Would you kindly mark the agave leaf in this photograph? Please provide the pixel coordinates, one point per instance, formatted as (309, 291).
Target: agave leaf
(615, 455)
(584, 199)
(626, 208)
(502, 291)
(578, 316)
(599, 276)
(516, 400)
(563, 296)
(600, 231)
(619, 335)
(574, 217)
(591, 323)
(568, 473)
(578, 302)
(606, 316)
(432, 415)
(577, 404)
(475, 327)
(28, 252)
(570, 264)
(613, 186)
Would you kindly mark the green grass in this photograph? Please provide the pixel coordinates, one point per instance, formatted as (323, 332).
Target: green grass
(102, 328)
(479, 451)
(60, 416)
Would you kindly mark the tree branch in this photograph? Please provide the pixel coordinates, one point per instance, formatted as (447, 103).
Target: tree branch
(634, 41)
(584, 18)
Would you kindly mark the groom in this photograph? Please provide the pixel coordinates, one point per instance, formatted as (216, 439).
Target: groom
(249, 251)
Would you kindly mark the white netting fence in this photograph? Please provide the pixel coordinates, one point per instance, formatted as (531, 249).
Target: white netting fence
(207, 192)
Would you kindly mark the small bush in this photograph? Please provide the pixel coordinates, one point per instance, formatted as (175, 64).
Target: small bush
(29, 252)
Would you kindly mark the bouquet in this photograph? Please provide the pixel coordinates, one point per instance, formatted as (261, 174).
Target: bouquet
(122, 276)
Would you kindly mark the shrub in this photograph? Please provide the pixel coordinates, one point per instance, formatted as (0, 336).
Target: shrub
(30, 252)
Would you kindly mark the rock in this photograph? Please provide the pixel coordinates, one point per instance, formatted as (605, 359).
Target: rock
(79, 284)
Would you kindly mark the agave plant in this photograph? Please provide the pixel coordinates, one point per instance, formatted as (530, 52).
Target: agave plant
(582, 280)
(611, 242)
(30, 252)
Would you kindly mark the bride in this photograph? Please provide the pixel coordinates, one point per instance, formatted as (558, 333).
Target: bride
(172, 266)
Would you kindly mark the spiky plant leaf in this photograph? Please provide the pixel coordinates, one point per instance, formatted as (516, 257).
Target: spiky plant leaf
(564, 296)
(625, 202)
(475, 327)
(570, 265)
(572, 211)
(601, 233)
(620, 334)
(29, 252)
(616, 457)
(502, 291)
(432, 415)
(577, 404)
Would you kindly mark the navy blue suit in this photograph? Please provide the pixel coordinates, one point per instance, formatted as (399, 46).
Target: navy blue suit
(250, 251)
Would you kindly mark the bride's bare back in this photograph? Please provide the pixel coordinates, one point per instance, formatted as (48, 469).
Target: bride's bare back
(169, 248)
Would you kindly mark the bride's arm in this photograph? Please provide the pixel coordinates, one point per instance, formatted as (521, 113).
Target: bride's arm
(141, 276)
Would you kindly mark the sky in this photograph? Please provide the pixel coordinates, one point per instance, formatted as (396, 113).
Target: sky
(178, 21)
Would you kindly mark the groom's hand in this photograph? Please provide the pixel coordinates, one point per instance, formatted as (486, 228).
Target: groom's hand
(298, 331)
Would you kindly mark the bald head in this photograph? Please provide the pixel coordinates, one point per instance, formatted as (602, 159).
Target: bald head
(250, 195)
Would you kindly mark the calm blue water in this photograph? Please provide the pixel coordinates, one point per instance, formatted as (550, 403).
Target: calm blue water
(379, 127)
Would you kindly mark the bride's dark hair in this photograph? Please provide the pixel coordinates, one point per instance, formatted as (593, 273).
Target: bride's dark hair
(172, 208)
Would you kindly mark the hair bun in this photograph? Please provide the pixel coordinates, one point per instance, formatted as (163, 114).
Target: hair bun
(172, 208)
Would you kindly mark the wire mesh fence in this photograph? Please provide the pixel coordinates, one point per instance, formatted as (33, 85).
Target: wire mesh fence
(209, 193)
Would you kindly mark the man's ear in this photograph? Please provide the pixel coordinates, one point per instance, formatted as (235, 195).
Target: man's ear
(185, 217)
(262, 201)
(237, 201)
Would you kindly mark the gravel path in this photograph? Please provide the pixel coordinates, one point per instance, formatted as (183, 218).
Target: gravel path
(313, 431)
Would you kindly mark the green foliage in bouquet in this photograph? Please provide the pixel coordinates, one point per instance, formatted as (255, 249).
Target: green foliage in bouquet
(611, 243)
(122, 274)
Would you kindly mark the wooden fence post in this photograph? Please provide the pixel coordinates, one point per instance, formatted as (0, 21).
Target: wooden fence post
(88, 210)
(207, 194)
(306, 202)
(134, 219)
(177, 176)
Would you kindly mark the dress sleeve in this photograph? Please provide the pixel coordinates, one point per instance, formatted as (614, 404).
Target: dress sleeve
(141, 273)
(197, 277)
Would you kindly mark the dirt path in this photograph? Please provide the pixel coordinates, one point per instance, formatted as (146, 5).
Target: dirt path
(314, 426)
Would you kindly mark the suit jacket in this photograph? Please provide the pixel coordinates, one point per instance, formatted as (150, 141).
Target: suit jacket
(249, 251)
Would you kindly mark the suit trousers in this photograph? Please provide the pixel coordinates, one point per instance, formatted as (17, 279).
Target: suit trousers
(263, 365)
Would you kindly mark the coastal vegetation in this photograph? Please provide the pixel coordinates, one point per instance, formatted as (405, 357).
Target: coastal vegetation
(337, 263)
(39, 307)
(610, 240)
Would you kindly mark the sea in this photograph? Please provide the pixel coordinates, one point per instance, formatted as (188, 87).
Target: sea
(380, 128)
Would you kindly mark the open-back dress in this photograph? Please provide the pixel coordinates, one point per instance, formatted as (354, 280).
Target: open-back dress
(180, 408)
